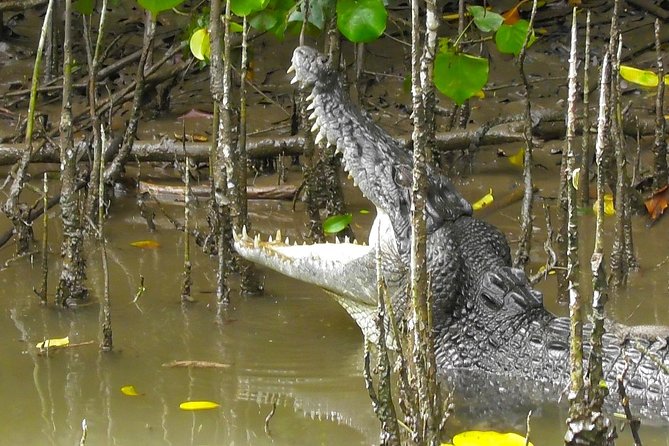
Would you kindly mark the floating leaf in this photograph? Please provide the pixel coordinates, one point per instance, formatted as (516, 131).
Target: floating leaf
(361, 20)
(459, 76)
(487, 438)
(55, 342)
(198, 405)
(645, 78)
(658, 203)
(518, 159)
(510, 38)
(486, 21)
(146, 244)
(364, 211)
(336, 223)
(486, 200)
(608, 205)
(130, 391)
(199, 44)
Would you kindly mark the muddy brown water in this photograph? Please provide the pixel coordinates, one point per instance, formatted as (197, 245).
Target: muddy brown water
(293, 346)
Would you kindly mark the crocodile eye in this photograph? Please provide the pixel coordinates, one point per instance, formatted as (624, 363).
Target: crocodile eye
(402, 176)
(493, 291)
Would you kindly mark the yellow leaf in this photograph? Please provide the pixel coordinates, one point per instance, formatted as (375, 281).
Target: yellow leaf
(198, 405)
(129, 391)
(56, 342)
(519, 158)
(488, 438)
(608, 205)
(486, 200)
(644, 78)
(480, 94)
(575, 176)
(146, 244)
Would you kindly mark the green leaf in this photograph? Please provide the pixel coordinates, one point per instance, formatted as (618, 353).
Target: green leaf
(84, 6)
(485, 20)
(273, 18)
(263, 21)
(199, 44)
(459, 76)
(336, 223)
(236, 27)
(509, 38)
(361, 20)
(155, 6)
(316, 15)
(243, 8)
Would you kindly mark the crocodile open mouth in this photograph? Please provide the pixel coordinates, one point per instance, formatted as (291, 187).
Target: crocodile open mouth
(345, 270)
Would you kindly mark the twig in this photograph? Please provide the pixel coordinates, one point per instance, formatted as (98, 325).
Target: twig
(634, 422)
(84, 432)
(522, 256)
(268, 418)
(187, 363)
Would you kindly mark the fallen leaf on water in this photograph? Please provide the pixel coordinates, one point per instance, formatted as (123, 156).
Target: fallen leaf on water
(130, 391)
(146, 244)
(518, 159)
(55, 342)
(198, 405)
(336, 223)
(487, 438)
(657, 204)
(608, 205)
(645, 78)
(486, 200)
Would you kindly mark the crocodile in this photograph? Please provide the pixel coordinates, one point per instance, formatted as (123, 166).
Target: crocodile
(486, 316)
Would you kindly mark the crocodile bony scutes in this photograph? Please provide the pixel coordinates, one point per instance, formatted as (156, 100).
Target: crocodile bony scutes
(486, 316)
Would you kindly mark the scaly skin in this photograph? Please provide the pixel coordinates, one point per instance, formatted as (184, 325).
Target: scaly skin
(487, 318)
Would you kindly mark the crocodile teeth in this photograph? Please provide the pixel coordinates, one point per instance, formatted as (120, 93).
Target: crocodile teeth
(319, 137)
(269, 239)
(287, 242)
(291, 69)
(316, 126)
(311, 106)
(313, 115)
(346, 239)
(256, 241)
(235, 236)
(294, 80)
(244, 234)
(337, 240)
(278, 235)
(311, 96)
